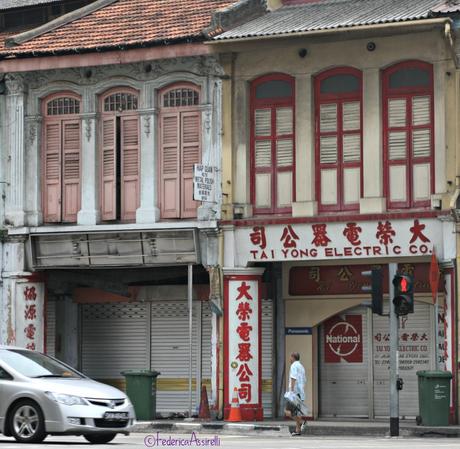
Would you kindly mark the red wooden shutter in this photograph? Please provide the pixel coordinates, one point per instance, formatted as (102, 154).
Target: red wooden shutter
(170, 168)
(190, 152)
(71, 145)
(129, 167)
(52, 172)
(109, 169)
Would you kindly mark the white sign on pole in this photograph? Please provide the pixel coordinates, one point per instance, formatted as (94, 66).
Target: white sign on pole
(204, 183)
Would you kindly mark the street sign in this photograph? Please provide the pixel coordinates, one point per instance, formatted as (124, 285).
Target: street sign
(434, 276)
(204, 183)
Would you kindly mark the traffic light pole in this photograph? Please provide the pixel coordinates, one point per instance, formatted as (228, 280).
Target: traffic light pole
(394, 356)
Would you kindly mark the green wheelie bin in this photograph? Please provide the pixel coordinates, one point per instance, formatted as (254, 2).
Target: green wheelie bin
(141, 388)
(433, 397)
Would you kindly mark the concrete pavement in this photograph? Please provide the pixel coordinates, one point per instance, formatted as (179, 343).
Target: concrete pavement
(283, 428)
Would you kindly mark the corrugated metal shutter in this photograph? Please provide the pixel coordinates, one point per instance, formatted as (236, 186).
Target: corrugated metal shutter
(267, 357)
(170, 354)
(114, 338)
(415, 331)
(344, 387)
(51, 328)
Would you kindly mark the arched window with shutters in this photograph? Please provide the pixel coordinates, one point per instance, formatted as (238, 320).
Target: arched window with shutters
(61, 161)
(338, 112)
(272, 143)
(408, 128)
(179, 149)
(120, 159)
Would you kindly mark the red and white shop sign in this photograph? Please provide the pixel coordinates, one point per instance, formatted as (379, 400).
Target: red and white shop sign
(343, 339)
(30, 316)
(352, 240)
(243, 342)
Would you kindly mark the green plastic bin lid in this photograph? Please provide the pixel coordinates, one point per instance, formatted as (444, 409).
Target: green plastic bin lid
(435, 374)
(140, 372)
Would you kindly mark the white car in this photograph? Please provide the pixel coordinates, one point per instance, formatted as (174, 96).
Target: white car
(41, 396)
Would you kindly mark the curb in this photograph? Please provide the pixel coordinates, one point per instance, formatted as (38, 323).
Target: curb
(284, 430)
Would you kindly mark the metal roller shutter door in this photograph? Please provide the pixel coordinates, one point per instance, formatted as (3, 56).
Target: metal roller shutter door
(51, 328)
(170, 353)
(416, 333)
(344, 386)
(114, 338)
(267, 357)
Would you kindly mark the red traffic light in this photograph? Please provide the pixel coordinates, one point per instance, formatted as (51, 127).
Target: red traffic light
(403, 285)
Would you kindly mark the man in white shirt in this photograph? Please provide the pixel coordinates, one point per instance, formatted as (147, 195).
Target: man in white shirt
(296, 410)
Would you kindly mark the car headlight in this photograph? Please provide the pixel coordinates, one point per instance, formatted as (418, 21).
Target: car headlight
(66, 399)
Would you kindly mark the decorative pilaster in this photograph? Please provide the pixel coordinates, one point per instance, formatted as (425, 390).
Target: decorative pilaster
(89, 213)
(148, 212)
(15, 101)
(33, 170)
(243, 341)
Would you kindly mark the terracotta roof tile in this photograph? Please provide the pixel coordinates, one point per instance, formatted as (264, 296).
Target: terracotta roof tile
(124, 23)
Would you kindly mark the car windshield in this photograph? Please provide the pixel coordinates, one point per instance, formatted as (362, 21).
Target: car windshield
(35, 364)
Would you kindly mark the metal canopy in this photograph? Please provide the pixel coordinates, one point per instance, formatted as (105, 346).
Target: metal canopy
(114, 249)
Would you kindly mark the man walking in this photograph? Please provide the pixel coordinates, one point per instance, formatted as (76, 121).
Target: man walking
(296, 408)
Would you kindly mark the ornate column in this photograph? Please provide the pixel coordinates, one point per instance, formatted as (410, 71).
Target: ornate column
(243, 341)
(15, 101)
(148, 212)
(89, 213)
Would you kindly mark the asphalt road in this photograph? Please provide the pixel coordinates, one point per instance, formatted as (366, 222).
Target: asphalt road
(137, 440)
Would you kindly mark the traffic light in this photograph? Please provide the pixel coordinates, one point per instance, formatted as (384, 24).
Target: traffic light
(404, 294)
(375, 289)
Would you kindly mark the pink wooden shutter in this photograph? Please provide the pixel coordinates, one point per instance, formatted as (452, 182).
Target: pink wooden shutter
(52, 172)
(71, 141)
(190, 149)
(129, 167)
(109, 169)
(169, 163)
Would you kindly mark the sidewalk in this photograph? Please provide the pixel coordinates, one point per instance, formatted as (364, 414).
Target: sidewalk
(283, 428)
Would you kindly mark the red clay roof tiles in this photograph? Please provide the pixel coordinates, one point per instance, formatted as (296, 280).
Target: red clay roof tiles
(125, 23)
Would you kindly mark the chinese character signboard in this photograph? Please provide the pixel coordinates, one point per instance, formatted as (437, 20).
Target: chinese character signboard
(347, 240)
(242, 344)
(30, 320)
(204, 183)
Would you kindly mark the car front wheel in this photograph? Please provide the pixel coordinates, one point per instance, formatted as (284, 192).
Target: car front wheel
(27, 423)
(99, 438)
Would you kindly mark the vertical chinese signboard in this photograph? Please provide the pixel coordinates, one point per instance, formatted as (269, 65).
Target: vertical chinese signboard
(242, 352)
(30, 316)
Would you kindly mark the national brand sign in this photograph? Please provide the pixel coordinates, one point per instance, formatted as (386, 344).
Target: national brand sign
(343, 339)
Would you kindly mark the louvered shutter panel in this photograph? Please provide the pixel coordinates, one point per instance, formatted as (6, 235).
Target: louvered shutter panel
(351, 142)
(71, 143)
(421, 110)
(328, 124)
(170, 159)
(52, 172)
(190, 152)
(109, 169)
(396, 112)
(129, 167)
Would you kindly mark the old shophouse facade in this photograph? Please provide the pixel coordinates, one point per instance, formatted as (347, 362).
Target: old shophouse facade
(101, 128)
(339, 155)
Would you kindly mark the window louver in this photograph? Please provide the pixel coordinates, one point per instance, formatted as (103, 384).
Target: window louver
(283, 121)
(351, 148)
(397, 145)
(351, 116)
(263, 122)
(397, 112)
(263, 153)
(421, 143)
(421, 110)
(328, 150)
(284, 153)
(328, 118)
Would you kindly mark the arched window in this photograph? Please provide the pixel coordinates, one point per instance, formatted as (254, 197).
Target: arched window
(272, 143)
(179, 149)
(120, 160)
(408, 125)
(338, 110)
(61, 166)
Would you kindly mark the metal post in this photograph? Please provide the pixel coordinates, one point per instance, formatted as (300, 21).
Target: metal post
(394, 356)
(190, 336)
(436, 334)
